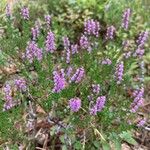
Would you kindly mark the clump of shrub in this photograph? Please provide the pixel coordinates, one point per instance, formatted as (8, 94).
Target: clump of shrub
(83, 82)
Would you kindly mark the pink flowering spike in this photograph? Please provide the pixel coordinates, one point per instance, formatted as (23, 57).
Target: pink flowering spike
(126, 18)
(119, 72)
(8, 11)
(75, 104)
(33, 52)
(74, 49)
(69, 71)
(106, 61)
(66, 43)
(50, 42)
(47, 20)
(93, 110)
(143, 37)
(91, 27)
(59, 81)
(77, 77)
(96, 88)
(25, 13)
(35, 32)
(139, 52)
(138, 99)
(100, 102)
(8, 98)
(110, 33)
(141, 122)
(84, 43)
(20, 84)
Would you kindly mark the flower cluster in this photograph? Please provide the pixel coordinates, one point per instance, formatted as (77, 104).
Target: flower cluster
(138, 99)
(50, 42)
(59, 81)
(47, 20)
(141, 122)
(92, 27)
(25, 13)
(96, 88)
(8, 11)
(100, 102)
(126, 18)
(110, 32)
(32, 52)
(84, 42)
(67, 48)
(143, 37)
(35, 32)
(106, 61)
(77, 77)
(127, 54)
(21, 84)
(75, 104)
(119, 72)
(8, 98)
(74, 49)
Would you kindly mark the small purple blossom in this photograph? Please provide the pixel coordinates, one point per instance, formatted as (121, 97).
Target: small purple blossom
(127, 54)
(110, 32)
(126, 18)
(138, 99)
(77, 77)
(143, 37)
(84, 43)
(141, 122)
(8, 11)
(96, 88)
(139, 52)
(59, 81)
(119, 72)
(91, 27)
(8, 98)
(47, 20)
(67, 48)
(75, 104)
(32, 52)
(74, 48)
(50, 42)
(21, 84)
(69, 71)
(25, 13)
(106, 61)
(35, 32)
(93, 110)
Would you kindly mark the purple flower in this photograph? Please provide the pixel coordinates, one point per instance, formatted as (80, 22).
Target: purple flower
(35, 32)
(21, 84)
(69, 71)
(143, 37)
(25, 13)
(139, 52)
(126, 18)
(119, 72)
(106, 61)
(138, 99)
(127, 54)
(100, 102)
(77, 77)
(32, 52)
(75, 104)
(141, 122)
(67, 48)
(96, 88)
(59, 81)
(8, 11)
(110, 32)
(74, 48)
(47, 20)
(50, 42)
(8, 98)
(84, 43)
(92, 27)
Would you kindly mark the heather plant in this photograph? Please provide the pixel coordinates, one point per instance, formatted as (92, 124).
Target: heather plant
(82, 82)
